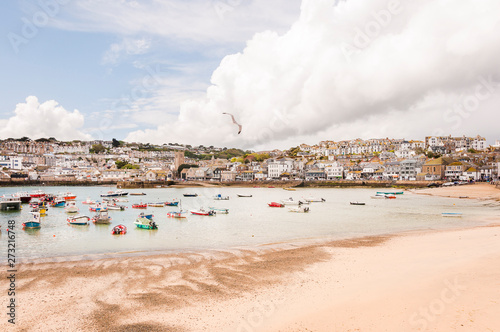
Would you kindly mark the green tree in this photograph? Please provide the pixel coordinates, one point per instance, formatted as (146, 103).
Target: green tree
(115, 143)
(97, 148)
(184, 166)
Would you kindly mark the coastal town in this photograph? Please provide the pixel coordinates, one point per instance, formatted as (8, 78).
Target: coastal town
(445, 159)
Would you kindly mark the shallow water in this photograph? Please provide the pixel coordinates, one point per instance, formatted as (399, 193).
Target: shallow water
(249, 222)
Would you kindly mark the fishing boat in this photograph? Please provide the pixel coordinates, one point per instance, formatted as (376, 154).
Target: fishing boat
(115, 207)
(37, 194)
(88, 201)
(78, 220)
(299, 209)
(390, 192)
(137, 194)
(23, 196)
(219, 210)
(173, 203)
(119, 230)
(240, 195)
(176, 214)
(58, 202)
(115, 193)
(314, 199)
(202, 212)
(357, 203)
(156, 204)
(452, 214)
(274, 204)
(42, 209)
(190, 195)
(67, 196)
(145, 221)
(98, 207)
(34, 222)
(10, 203)
(71, 207)
(219, 197)
(139, 206)
(102, 217)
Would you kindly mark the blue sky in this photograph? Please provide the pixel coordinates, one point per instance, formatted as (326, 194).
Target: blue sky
(290, 71)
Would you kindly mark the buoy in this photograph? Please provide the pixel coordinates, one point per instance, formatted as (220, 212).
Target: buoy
(54, 235)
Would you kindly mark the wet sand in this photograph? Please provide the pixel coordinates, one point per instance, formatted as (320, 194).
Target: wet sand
(482, 191)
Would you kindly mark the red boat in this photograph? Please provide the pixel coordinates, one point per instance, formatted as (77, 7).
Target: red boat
(119, 230)
(202, 212)
(274, 204)
(37, 194)
(68, 196)
(139, 206)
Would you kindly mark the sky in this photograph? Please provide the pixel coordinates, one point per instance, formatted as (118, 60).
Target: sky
(289, 71)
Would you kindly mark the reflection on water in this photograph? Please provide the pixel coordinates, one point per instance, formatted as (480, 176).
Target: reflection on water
(250, 220)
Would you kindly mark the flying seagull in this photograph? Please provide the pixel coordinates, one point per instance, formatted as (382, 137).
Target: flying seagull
(234, 121)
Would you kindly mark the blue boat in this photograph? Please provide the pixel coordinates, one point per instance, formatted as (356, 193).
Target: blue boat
(33, 223)
(145, 221)
(171, 203)
(59, 203)
(452, 214)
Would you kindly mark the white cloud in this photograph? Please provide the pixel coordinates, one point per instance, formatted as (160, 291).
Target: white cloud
(128, 47)
(199, 21)
(48, 119)
(343, 65)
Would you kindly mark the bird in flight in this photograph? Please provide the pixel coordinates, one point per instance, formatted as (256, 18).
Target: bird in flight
(234, 121)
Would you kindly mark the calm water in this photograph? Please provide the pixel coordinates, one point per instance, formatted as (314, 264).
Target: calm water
(249, 222)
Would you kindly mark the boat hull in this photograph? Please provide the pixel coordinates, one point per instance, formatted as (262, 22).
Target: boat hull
(31, 225)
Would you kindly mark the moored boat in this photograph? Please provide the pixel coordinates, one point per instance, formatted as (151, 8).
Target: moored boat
(390, 192)
(156, 204)
(67, 196)
(23, 196)
(137, 194)
(115, 193)
(119, 230)
(102, 217)
(357, 203)
(58, 202)
(203, 212)
(172, 203)
(98, 207)
(37, 194)
(139, 206)
(176, 214)
(78, 220)
(452, 214)
(145, 221)
(10, 204)
(290, 189)
(241, 195)
(314, 199)
(275, 204)
(219, 210)
(88, 201)
(190, 195)
(34, 222)
(219, 197)
(299, 209)
(71, 207)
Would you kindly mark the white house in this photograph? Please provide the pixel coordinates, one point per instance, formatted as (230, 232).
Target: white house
(334, 171)
(276, 167)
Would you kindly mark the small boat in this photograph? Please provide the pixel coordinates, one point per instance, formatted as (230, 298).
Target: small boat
(98, 207)
(463, 197)
(173, 203)
(390, 192)
(78, 220)
(202, 212)
(219, 197)
(290, 201)
(116, 193)
(299, 209)
(156, 204)
(137, 194)
(274, 204)
(58, 202)
(71, 207)
(290, 189)
(240, 195)
(390, 196)
(42, 209)
(23, 196)
(88, 201)
(219, 210)
(121, 199)
(140, 206)
(10, 204)
(357, 203)
(34, 222)
(176, 214)
(102, 217)
(145, 221)
(115, 207)
(452, 214)
(313, 199)
(67, 196)
(190, 195)
(378, 197)
(37, 194)
(119, 230)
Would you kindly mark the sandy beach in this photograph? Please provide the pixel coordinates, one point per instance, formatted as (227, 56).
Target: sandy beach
(483, 191)
(419, 281)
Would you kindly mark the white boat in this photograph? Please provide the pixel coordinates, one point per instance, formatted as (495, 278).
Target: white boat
(299, 209)
(71, 207)
(219, 210)
(452, 214)
(78, 220)
(378, 196)
(219, 197)
(88, 201)
(314, 199)
(102, 217)
(116, 193)
(145, 221)
(10, 203)
(290, 201)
